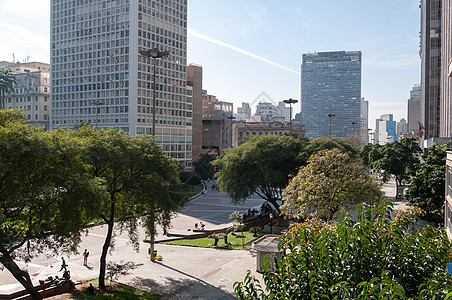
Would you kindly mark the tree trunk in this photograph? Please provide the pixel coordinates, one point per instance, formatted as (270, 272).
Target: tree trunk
(152, 232)
(22, 276)
(103, 257)
(276, 205)
(216, 242)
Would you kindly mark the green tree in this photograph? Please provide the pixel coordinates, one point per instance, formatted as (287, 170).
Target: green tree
(330, 181)
(262, 165)
(398, 158)
(328, 143)
(43, 185)
(374, 257)
(136, 177)
(7, 82)
(427, 186)
(203, 166)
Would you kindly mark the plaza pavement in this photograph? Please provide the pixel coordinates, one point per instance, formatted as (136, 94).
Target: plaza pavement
(184, 273)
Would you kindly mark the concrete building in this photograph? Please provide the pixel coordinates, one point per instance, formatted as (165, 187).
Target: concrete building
(284, 111)
(446, 71)
(243, 112)
(267, 111)
(364, 121)
(414, 109)
(448, 200)
(401, 127)
(99, 78)
(385, 130)
(31, 91)
(194, 80)
(217, 127)
(330, 85)
(243, 129)
(430, 53)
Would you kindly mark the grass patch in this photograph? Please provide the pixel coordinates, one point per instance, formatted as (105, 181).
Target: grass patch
(234, 241)
(189, 191)
(116, 291)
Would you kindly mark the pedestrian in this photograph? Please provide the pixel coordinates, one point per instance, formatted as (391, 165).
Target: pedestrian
(90, 289)
(63, 264)
(196, 225)
(85, 257)
(202, 225)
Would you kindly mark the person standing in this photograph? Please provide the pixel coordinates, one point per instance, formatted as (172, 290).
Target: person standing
(85, 257)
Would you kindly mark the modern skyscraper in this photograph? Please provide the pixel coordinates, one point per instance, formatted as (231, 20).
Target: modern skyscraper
(98, 76)
(446, 72)
(401, 127)
(364, 121)
(385, 129)
(330, 85)
(414, 109)
(430, 53)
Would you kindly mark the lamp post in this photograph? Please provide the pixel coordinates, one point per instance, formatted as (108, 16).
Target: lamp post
(330, 116)
(154, 54)
(290, 101)
(353, 126)
(232, 119)
(97, 103)
(271, 223)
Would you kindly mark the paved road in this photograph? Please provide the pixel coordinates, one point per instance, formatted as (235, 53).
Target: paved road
(184, 273)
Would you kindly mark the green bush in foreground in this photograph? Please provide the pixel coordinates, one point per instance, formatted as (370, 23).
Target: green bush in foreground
(375, 257)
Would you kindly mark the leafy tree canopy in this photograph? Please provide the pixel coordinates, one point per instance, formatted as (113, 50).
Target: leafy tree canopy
(203, 166)
(328, 143)
(262, 165)
(329, 181)
(427, 186)
(375, 257)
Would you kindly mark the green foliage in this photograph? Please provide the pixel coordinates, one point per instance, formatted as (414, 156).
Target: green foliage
(427, 186)
(203, 166)
(397, 158)
(329, 181)
(7, 82)
(190, 178)
(234, 241)
(262, 165)
(329, 143)
(374, 257)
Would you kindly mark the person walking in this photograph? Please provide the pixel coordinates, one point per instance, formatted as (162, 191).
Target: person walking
(63, 264)
(85, 257)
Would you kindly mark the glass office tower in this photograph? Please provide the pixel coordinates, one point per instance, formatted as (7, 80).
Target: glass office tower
(331, 85)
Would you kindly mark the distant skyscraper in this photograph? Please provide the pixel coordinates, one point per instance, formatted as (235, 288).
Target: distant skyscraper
(446, 71)
(244, 112)
(267, 110)
(430, 53)
(364, 121)
(194, 80)
(330, 84)
(284, 111)
(414, 109)
(98, 76)
(401, 127)
(385, 129)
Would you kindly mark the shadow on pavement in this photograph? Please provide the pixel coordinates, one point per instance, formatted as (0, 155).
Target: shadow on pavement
(193, 288)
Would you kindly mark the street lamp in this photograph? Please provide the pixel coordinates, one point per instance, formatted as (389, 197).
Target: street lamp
(97, 103)
(330, 116)
(271, 223)
(154, 54)
(231, 118)
(290, 101)
(353, 126)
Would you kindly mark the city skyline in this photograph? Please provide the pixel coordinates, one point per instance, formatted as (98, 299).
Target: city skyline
(256, 46)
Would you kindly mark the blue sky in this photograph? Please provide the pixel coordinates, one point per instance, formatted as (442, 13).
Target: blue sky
(254, 46)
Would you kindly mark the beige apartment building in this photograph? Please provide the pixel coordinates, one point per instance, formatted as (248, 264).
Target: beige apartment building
(31, 92)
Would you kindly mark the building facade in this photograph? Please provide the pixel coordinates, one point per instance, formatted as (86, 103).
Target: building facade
(446, 72)
(364, 121)
(430, 53)
(330, 85)
(448, 200)
(31, 92)
(245, 129)
(194, 80)
(414, 109)
(385, 129)
(99, 78)
(216, 124)
(401, 127)
(244, 112)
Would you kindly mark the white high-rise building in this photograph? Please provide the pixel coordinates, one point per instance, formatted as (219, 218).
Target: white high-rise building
(99, 78)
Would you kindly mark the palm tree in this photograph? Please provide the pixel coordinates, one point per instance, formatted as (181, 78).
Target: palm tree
(7, 82)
